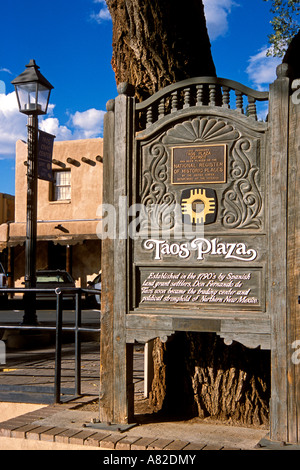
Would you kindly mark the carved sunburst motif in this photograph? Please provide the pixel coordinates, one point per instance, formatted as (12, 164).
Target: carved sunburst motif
(241, 201)
(201, 130)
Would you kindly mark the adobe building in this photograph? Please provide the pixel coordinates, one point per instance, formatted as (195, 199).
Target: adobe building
(7, 213)
(7, 207)
(67, 212)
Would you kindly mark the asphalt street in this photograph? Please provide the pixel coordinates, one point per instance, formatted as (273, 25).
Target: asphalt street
(89, 317)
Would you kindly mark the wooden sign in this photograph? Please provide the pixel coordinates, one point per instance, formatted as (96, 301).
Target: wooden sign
(236, 287)
(223, 186)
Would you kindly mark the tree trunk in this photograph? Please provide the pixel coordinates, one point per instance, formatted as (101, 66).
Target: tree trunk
(197, 375)
(230, 383)
(292, 57)
(156, 43)
(159, 42)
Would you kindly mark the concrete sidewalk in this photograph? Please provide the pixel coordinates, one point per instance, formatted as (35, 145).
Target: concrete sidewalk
(70, 425)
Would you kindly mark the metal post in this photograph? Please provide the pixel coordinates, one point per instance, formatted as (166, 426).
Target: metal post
(58, 344)
(77, 344)
(30, 317)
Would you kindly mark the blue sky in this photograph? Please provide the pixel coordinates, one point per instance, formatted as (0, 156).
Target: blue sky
(71, 42)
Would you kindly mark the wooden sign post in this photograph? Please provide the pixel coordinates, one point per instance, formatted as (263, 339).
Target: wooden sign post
(284, 260)
(200, 231)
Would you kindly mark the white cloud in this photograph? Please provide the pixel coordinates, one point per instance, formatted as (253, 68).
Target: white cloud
(3, 69)
(262, 69)
(216, 14)
(88, 124)
(103, 14)
(52, 126)
(81, 125)
(12, 124)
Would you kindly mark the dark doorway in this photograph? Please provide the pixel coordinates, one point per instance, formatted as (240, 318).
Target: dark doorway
(57, 255)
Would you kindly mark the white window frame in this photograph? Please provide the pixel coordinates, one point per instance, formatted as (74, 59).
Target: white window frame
(61, 187)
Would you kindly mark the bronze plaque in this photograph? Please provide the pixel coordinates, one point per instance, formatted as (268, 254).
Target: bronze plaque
(199, 164)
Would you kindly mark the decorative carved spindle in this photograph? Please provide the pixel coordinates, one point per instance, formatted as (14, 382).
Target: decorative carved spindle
(226, 97)
(199, 95)
(212, 95)
(252, 107)
(149, 116)
(161, 108)
(187, 97)
(239, 101)
(174, 107)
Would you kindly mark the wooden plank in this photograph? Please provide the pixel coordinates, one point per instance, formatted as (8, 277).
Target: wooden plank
(253, 324)
(107, 294)
(278, 118)
(123, 392)
(148, 321)
(120, 268)
(293, 278)
(197, 324)
(252, 331)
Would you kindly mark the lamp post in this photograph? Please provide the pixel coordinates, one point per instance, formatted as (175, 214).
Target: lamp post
(33, 92)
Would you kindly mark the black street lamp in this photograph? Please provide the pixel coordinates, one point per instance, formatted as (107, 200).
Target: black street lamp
(33, 92)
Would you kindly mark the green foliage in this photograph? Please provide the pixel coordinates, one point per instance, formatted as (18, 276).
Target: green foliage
(285, 25)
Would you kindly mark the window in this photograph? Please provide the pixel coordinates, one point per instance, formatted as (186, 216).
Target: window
(61, 189)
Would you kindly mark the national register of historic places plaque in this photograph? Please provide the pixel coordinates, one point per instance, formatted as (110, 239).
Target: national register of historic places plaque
(199, 164)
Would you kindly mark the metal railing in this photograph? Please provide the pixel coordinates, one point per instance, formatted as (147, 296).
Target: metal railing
(59, 329)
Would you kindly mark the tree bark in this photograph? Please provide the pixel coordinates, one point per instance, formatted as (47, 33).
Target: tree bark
(292, 57)
(159, 42)
(156, 43)
(197, 375)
